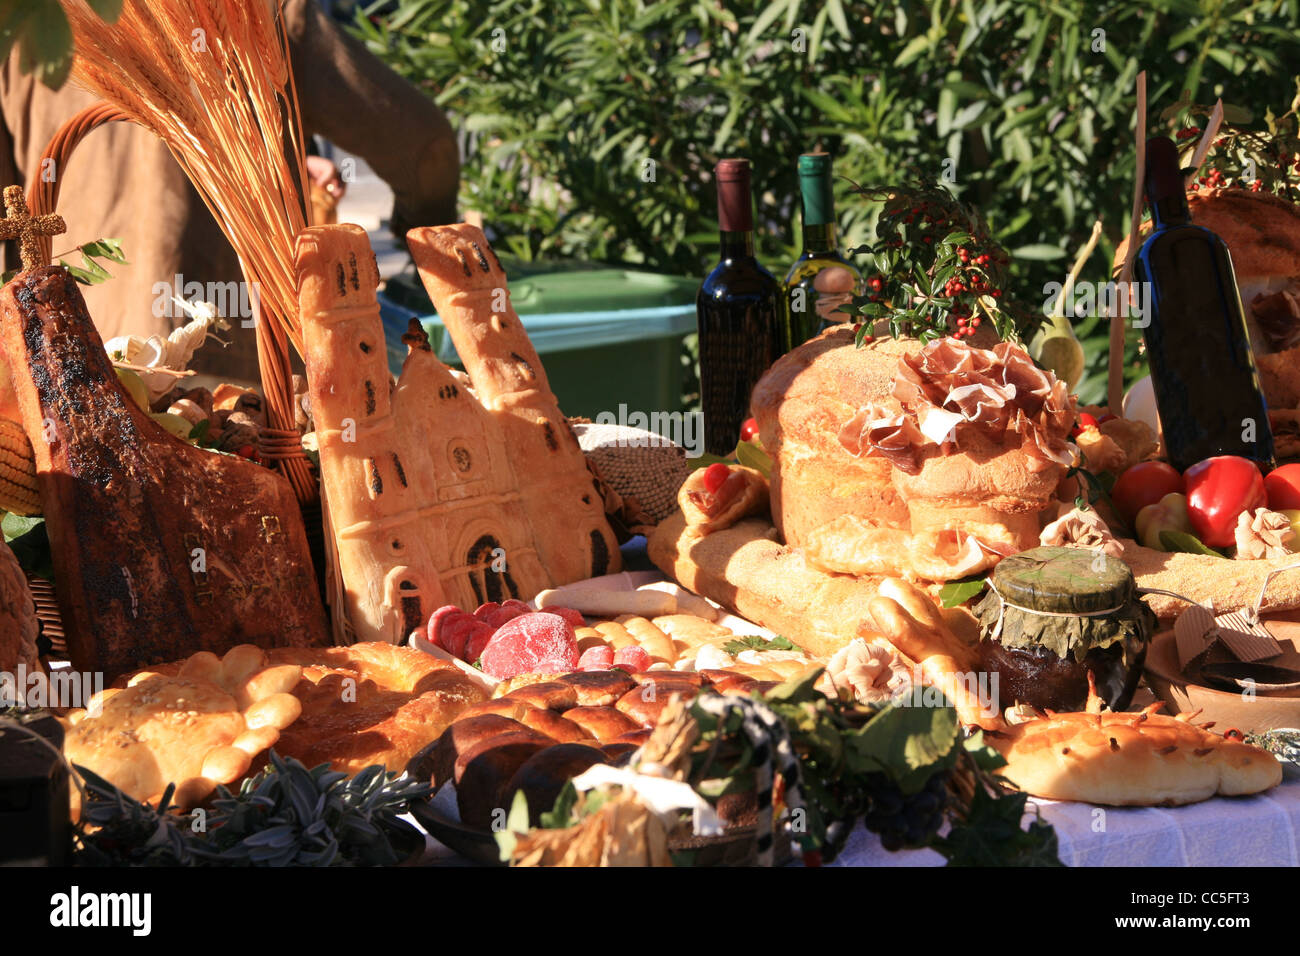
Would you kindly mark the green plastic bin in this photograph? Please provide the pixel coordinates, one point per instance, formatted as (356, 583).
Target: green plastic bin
(607, 336)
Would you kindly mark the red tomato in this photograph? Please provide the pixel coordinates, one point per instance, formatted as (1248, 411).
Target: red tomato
(1144, 484)
(1219, 489)
(714, 476)
(749, 430)
(1085, 422)
(1283, 487)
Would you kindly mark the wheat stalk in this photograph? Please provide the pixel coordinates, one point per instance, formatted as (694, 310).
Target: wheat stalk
(226, 111)
(212, 79)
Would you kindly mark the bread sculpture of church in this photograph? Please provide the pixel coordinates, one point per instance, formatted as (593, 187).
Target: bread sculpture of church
(439, 493)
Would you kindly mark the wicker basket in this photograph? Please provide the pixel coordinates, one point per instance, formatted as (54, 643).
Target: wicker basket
(280, 443)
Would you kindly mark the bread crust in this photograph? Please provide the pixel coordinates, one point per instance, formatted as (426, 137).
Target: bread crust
(371, 703)
(1126, 759)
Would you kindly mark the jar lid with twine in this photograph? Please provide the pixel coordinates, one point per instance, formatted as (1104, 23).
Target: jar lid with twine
(1070, 600)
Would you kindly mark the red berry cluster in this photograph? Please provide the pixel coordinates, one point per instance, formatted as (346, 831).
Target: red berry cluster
(1189, 132)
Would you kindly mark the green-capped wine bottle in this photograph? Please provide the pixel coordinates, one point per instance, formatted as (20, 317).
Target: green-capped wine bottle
(821, 280)
(741, 311)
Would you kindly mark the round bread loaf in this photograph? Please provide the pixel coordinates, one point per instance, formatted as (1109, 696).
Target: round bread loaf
(543, 775)
(603, 723)
(829, 503)
(800, 404)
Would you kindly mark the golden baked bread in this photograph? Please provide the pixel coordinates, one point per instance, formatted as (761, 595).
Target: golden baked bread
(562, 510)
(800, 404)
(371, 703)
(1226, 584)
(438, 494)
(910, 620)
(930, 461)
(18, 624)
(197, 727)
(744, 569)
(1130, 759)
(743, 493)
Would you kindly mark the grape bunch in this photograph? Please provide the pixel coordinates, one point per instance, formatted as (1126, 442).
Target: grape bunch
(901, 820)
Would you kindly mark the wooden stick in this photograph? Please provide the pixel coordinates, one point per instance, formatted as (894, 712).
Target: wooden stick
(1207, 140)
(1115, 378)
(1079, 261)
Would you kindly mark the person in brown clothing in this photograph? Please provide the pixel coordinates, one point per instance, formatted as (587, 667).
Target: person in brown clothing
(122, 182)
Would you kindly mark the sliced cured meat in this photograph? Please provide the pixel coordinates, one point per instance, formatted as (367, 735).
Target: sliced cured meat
(534, 643)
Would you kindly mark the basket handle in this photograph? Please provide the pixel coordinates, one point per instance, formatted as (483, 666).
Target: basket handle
(280, 442)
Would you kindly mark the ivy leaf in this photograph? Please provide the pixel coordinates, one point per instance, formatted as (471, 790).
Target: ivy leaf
(991, 835)
(754, 642)
(907, 743)
(959, 592)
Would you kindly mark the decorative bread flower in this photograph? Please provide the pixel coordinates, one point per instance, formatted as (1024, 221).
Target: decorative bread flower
(872, 673)
(1076, 528)
(948, 387)
(1263, 534)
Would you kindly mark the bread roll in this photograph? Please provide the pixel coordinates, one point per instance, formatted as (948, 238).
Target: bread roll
(483, 774)
(603, 723)
(599, 688)
(543, 775)
(466, 733)
(551, 694)
(554, 725)
(744, 569)
(646, 703)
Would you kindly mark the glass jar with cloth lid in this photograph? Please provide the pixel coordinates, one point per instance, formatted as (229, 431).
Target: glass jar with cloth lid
(1053, 614)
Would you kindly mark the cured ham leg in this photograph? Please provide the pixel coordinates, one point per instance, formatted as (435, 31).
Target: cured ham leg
(160, 549)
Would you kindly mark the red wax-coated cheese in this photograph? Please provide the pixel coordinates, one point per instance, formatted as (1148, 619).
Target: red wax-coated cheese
(533, 643)
(569, 614)
(597, 658)
(632, 658)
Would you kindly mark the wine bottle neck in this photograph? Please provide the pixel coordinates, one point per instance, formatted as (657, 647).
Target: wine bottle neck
(1171, 211)
(737, 244)
(818, 238)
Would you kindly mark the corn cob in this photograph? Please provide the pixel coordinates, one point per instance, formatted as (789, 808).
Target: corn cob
(18, 490)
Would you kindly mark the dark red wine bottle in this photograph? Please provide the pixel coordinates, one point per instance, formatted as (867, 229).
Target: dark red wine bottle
(1198, 347)
(741, 312)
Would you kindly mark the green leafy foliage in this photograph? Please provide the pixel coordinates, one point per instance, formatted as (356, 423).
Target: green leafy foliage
(91, 271)
(1029, 107)
(990, 834)
(959, 592)
(44, 38)
(753, 642)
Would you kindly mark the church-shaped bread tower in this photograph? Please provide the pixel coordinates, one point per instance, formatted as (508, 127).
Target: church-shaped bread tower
(468, 287)
(428, 484)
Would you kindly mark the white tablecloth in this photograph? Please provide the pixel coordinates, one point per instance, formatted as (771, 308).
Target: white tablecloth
(1227, 831)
